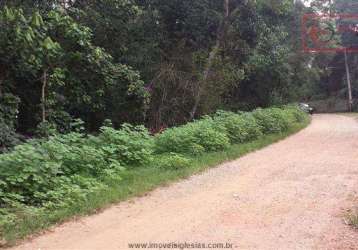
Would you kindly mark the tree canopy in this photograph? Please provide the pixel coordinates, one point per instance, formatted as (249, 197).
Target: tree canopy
(157, 62)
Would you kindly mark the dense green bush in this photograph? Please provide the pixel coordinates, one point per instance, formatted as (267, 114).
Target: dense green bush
(32, 172)
(217, 132)
(42, 171)
(296, 114)
(61, 170)
(130, 145)
(193, 138)
(179, 139)
(172, 161)
(210, 135)
(272, 120)
(45, 129)
(239, 127)
(8, 137)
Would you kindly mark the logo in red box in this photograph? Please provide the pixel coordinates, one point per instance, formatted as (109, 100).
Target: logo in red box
(330, 33)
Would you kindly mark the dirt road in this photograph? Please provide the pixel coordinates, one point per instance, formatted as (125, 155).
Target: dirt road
(291, 195)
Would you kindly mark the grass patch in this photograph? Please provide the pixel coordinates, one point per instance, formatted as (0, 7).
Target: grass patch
(136, 182)
(352, 219)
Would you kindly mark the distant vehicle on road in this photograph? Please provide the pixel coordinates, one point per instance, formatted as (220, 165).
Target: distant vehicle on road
(306, 108)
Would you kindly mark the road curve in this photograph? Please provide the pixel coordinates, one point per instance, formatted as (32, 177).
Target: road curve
(290, 195)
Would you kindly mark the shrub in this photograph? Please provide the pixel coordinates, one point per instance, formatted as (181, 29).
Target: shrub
(274, 120)
(60, 120)
(210, 135)
(131, 146)
(193, 138)
(283, 118)
(8, 137)
(239, 128)
(46, 129)
(297, 114)
(71, 190)
(32, 171)
(179, 140)
(66, 167)
(172, 161)
(271, 120)
(61, 170)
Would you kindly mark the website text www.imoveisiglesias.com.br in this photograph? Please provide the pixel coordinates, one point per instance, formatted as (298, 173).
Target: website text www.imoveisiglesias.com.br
(181, 246)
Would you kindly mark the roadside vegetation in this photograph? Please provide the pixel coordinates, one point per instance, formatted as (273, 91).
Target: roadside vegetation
(47, 181)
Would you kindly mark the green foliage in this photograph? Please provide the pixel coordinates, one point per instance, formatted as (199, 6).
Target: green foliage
(271, 120)
(275, 120)
(46, 57)
(131, 146)
(239, 127)
(8, 118)
(65, 168)
(209, 135)
(171, 161)
(296, 114)
(215, 134)
(9, 109)
(192, 138)
(8, 137)
(61, 121)
(77, 125)
(45, 129)
(33, 172)
(92, 50)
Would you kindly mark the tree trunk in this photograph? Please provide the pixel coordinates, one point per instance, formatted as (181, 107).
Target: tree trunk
(226, 8)
(219, 38)
(43, 95)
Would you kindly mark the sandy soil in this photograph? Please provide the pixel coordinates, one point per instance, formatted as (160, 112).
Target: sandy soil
(291, 195)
